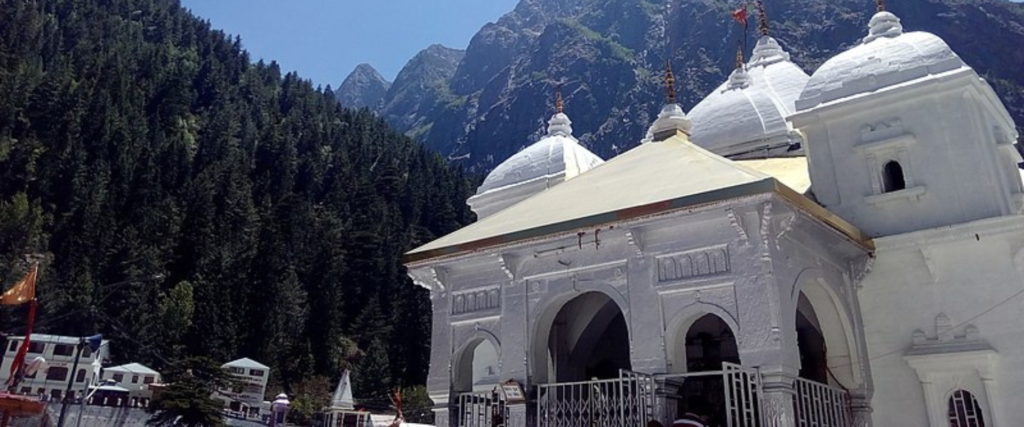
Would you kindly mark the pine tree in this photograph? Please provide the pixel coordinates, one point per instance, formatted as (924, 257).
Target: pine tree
(137, 142)
(372, 377)
(187, 399)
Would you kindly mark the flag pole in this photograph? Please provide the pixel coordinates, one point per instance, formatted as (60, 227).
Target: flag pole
(746, 25)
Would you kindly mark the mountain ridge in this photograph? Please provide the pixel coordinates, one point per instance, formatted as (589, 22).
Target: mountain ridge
(609, 55)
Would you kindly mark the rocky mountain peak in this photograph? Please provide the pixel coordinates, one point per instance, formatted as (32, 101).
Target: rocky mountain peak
(364, 87)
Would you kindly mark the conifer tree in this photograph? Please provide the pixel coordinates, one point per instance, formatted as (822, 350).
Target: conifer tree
(136, 141)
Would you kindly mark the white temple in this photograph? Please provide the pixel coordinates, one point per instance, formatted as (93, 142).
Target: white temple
(843, 249)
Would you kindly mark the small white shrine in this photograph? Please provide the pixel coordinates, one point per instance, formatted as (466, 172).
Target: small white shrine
(839, 249)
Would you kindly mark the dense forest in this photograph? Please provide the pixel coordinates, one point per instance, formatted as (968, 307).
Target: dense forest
(185, 201)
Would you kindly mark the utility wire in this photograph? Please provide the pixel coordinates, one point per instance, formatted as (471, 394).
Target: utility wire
(939, 334)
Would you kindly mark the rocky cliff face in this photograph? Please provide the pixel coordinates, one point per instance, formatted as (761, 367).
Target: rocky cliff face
(364, 87)
(609, 55)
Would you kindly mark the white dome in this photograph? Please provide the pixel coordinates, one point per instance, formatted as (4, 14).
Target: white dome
(886, 57)
(746, 115)
(555, 158)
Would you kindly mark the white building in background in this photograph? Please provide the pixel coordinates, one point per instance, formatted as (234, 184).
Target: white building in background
(248, 398)
(876, 281)
(51, 379)
(136, 378)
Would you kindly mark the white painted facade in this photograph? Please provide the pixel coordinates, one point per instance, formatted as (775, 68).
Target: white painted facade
(939, 301)
(51, 379)
(248, 398)
(136, 378)
(894, 282)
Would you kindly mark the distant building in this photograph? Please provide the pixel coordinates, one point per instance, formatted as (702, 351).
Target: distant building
(342, 412)
(136, 379)
(59, 352)
(247, 398)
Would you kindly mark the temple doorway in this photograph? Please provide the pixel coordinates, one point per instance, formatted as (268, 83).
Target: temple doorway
(703, 347)
(588, 340)
(811, 343)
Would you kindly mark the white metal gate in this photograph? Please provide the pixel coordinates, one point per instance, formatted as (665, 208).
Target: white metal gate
(478, 409)
(820, 405)
(742, 395)
(627, 401)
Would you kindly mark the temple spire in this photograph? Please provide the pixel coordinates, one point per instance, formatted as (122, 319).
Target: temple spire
(558, 99)
(739, 56)
(670, 83)
(880, 5)
(762, 18)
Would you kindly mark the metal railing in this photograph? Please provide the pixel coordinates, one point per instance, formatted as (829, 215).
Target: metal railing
(476, 409)
(820, 405)
(627, 401)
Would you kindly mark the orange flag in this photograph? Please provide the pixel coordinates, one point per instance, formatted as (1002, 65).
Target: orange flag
(23, 291)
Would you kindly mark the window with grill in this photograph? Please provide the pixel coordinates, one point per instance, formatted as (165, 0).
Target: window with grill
(63, 350)
(964, 410)
(36, 347)
(57, 374)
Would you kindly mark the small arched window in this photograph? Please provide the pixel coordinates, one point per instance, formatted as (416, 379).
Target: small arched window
(964, 410)
(892, 177)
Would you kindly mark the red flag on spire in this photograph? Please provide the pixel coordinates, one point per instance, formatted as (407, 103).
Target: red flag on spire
(18, 365)
(740, 15)
(23, 291)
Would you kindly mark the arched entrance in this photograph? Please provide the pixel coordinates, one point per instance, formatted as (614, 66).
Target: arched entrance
(703, 346)
(707, 343)
(474, 379)
(811, 343)
(825, 340)
(476, 367)
(588, 339)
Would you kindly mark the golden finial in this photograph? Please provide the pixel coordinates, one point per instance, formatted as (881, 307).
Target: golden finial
(739, 56)
(880, 5)
(558, 99)
(670, 83)
(762, 18)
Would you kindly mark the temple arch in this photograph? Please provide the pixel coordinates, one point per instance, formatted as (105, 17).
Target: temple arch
(825, 338)
(700, 340)
(580, 337)
(475, 366)
(683, 324)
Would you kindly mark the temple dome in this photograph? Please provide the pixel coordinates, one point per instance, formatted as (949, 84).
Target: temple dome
(555, 158)
(746, 116)
(885, 58)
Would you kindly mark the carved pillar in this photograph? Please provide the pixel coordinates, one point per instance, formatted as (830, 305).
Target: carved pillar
(778, 398)
(860, 408)
(667, 403)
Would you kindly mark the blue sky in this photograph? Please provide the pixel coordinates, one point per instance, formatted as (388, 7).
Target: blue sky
(325, 39)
